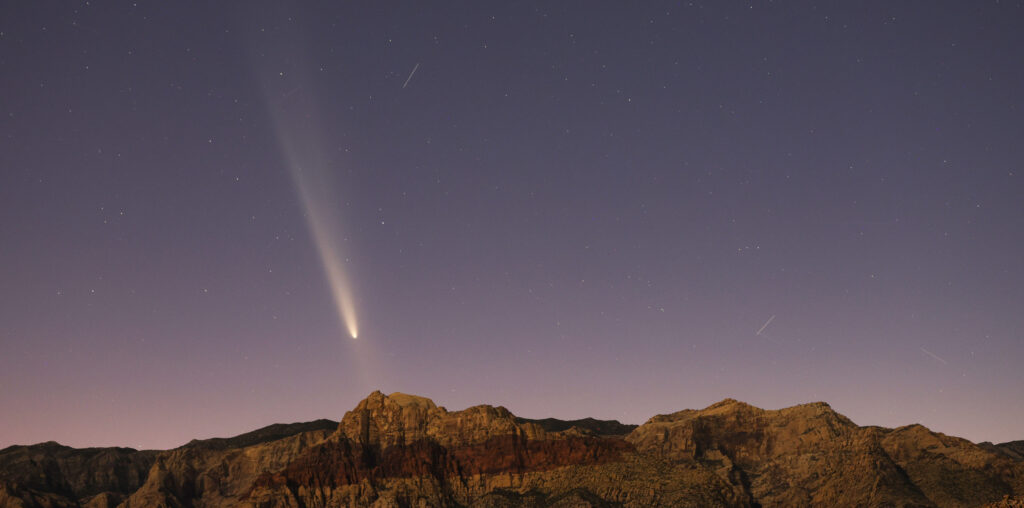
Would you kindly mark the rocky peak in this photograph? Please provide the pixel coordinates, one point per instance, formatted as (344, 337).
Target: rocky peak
(727, 402)
(388, 420)
(739, 429)
(400, 419)
(725, 407)
(72, 472)
(404, 450)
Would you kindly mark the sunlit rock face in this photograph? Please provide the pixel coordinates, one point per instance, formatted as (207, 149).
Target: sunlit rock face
(811, 455)
(404, 450)
(399, 419)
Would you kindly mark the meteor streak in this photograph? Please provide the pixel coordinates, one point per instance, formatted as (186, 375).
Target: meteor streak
(765, 325)
(933, 355)
(417, 66)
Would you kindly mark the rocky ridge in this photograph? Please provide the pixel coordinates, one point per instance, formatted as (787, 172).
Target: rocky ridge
(403, 450)
(50, 474)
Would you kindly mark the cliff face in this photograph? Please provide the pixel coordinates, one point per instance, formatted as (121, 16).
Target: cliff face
(205, 476)
(385, 421)
(403, 450)
(48, 474)
(811, 455)
(201, 473)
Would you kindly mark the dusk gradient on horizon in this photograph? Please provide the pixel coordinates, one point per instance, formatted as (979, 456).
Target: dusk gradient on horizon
(570, 209)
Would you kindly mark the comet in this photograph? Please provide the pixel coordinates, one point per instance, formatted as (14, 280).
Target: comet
(299, 131)
(292, 87)
(333, 263)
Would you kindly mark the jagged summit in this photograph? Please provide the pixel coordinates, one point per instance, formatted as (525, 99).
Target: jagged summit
(404, 450)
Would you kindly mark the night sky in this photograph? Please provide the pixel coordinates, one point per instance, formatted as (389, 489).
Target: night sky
(567, 208)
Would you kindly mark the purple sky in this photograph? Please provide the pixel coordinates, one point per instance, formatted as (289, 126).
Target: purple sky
(571, 209)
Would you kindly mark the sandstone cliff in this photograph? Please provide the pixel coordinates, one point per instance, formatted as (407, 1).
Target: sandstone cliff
(403, 450)
(810, 455)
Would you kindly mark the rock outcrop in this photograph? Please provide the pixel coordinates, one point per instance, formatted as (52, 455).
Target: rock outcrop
(217, 472)
(811, 455)
(403, 450)
(1013, 449)
(49, 474)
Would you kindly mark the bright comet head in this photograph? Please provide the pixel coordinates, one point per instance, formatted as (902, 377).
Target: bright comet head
(300, 135)
(324, 229)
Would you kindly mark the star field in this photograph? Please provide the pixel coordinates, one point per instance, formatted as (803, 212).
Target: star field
(574, 209)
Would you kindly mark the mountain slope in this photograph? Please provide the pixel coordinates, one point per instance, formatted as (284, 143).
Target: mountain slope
(55, 475)
(403, 450)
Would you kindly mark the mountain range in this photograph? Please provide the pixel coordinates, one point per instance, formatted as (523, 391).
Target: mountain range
(402, 450)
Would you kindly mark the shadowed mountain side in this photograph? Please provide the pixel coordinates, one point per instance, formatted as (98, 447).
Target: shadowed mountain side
(1012, 449)
(59, 475)
(217, 475)
(263, 435)
(50, 474)
(589, 425)
(403, 450)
